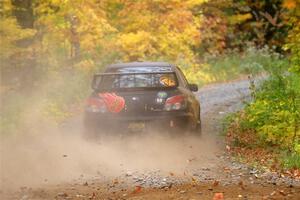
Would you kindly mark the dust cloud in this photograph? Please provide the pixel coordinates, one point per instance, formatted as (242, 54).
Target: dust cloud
(56, 155)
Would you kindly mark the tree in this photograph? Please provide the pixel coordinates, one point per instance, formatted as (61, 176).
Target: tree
(155, 29)
(16, 50)
(233, 23)
(293, 39)
(79, 25)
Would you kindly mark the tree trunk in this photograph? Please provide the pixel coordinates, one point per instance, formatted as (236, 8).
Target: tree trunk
(26, 64)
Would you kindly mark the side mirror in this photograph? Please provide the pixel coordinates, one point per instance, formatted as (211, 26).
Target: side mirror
(193, 87)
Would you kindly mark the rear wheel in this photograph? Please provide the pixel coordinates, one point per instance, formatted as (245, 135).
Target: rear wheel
(89, 132)
(197, 128)
(92, 129)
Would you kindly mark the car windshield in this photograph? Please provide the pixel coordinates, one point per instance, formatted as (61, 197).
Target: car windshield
(136, 80)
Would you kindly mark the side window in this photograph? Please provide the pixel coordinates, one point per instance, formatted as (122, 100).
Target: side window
(182, 77)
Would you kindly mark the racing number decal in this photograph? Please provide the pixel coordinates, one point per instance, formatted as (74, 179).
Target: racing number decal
(167, 81)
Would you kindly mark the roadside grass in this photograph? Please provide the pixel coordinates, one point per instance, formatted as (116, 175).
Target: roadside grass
(267, 130)
(291, 161)
(246, 147)
(226, 121)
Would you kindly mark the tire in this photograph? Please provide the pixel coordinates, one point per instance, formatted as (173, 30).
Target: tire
(197, 130)
(89, 133)
(92, 130)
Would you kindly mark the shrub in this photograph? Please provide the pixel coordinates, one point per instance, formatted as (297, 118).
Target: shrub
(274, 114)
(233, 64)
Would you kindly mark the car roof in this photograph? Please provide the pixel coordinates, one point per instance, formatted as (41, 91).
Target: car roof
(140, 64)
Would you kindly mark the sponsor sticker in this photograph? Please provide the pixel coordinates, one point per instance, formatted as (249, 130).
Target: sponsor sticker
(162, 95)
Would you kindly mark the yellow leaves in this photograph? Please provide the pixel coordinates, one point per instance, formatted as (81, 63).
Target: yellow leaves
(235, 19)
(192, 3)
(10, 33)
(137, 45)
(53, 110)
(197, 72)
(86, 66)
(160, 29)
(297, 147)
(180, 3)
(137, 30)
(69, 22)
(5, 7)
(289, 4)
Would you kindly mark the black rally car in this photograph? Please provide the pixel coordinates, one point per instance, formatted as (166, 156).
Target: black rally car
(142, 95)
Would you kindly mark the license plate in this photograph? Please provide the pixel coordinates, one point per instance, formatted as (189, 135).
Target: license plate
(136, 125)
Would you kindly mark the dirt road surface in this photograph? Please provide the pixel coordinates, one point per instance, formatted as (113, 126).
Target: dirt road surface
(60, 164)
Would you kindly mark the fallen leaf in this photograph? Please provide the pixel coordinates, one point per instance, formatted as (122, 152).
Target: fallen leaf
(228, 148)
(115, 182)
(226, 169)
(93, 196)
(137, 189)
(86, 184)
(216, 183)
(265, 197)
(241, 184)
(218, 196)
(63, 194)
(282, 192)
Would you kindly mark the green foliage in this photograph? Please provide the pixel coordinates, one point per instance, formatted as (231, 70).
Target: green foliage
(293, 43)
(233, 64)
(13, 109)
(291, 161)
(275, 112)
(272, 119)
(65, 93)
(232, 23)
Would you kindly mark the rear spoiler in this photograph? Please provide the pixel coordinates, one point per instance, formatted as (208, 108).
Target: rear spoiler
(96, 76)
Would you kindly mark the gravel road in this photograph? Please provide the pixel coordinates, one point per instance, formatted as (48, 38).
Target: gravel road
(62, 165)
